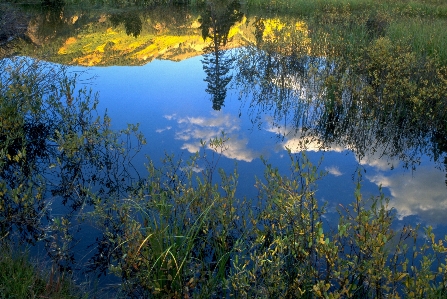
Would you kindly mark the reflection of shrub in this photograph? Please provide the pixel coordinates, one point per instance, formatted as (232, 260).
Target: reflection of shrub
(284, 38)
(53, 149)
(179, 233)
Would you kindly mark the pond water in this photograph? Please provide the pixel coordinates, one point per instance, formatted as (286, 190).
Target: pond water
(169, 101)
(188, 76)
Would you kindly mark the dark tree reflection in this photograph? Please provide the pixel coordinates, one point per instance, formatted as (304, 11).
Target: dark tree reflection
(52, 20)
(131, 21)
(215, 25)
(54, 149)
(391, 104)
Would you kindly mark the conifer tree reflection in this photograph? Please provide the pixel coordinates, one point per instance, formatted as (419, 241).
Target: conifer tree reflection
(51, 23)
(215, 24)
(131, 21)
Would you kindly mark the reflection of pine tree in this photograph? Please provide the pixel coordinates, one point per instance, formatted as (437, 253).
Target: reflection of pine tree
(216, 24)
(53, 19)
(131, 21)
(217, 66)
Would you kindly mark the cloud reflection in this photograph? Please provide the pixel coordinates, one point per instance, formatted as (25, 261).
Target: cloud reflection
(162, 130)
(378, 161)
(422, 193)
(334, 170)
(298, 141)
(194, 129)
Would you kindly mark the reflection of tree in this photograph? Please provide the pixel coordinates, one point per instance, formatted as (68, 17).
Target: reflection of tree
(385, 102)
(131, 21)
(53, 20)
(272, 70)
(53, 149)
(217, 66)
(216, 24)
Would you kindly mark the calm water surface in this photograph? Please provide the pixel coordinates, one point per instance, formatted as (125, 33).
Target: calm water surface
(169, 101)
(187, 83)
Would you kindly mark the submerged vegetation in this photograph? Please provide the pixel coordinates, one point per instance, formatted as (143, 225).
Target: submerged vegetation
(179, 230)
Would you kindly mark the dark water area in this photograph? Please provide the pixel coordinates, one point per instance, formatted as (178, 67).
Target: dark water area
(272, 86)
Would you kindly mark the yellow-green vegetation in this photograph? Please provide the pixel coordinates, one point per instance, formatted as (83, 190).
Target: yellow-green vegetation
(435, 8)
(20, 278)
(136, 36)
(181, 235)
(420, 24)
(113, 45)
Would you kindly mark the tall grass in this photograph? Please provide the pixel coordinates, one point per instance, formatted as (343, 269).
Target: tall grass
(306, 7)
(428, 37)
(20, 278)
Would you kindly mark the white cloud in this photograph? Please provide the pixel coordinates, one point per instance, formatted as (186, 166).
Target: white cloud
(162, 130)
(194, 168)
(297, 141)
(334, 170)
(423, 193)
(169, 117)
(197, 129)
(191, 147)
(237, 149)
(378, 160)
(298, 144)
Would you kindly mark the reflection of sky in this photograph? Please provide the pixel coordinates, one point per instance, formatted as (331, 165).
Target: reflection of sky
(175, 113)
(193, 130)
(422, 193)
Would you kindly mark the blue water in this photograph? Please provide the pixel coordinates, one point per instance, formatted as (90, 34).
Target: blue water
(169, 101)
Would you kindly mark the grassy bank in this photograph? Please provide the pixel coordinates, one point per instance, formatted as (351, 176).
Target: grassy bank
(20, 278)
(418, 24)
(434, 8)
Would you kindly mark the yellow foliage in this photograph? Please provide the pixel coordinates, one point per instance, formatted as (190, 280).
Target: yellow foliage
(90, 59)
(94, 46)
(271, 27)
(302, 27)
(161, 44)
(111, 31)
(70, 40)
(101, 48)
(283, 35)
(62, 51)
(233, 31)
